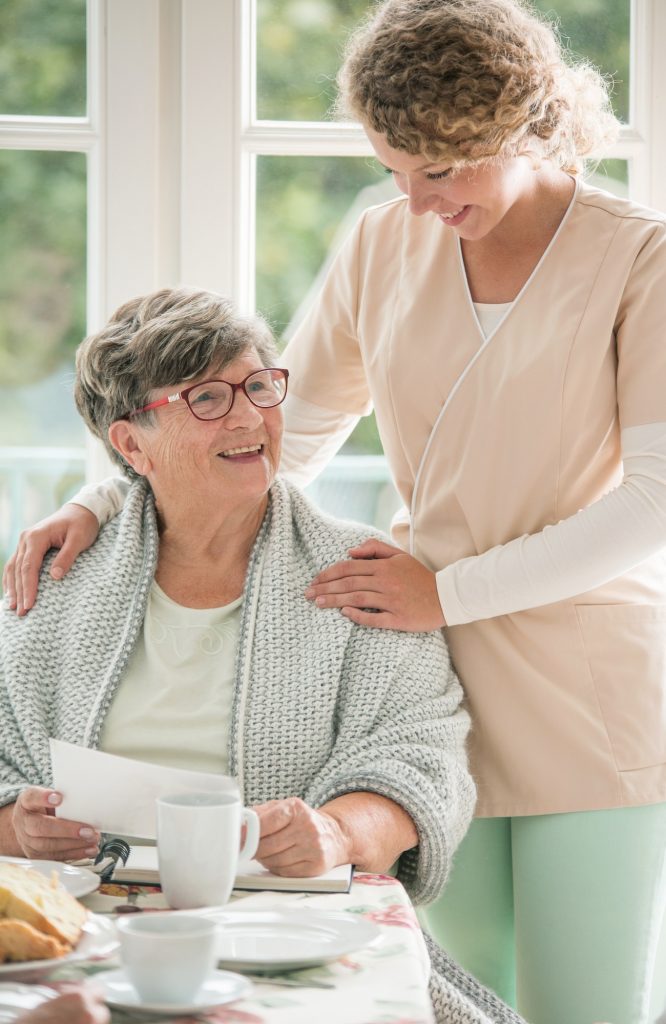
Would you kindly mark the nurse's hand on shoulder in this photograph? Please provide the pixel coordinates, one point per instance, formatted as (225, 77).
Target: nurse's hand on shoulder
(72, 529)
(401, 592)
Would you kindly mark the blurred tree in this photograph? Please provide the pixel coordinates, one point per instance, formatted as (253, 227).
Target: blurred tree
(599, 31)
(299, 47)
(42, 262)
(43, 57)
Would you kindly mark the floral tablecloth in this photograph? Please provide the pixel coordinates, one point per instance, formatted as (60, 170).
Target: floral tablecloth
(385, 983)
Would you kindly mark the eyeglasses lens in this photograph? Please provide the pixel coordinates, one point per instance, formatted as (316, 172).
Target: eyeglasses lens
(213, 399)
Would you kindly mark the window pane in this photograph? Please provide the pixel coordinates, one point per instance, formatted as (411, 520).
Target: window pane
(598, 30)
(299, 43)
(305, 206)
(613, 176)
(43, 57)
(42, 319)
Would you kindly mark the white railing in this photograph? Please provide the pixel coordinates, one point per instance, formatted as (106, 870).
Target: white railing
(36, 481)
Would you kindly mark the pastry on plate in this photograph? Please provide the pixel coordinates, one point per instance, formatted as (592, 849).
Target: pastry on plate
(39, 919)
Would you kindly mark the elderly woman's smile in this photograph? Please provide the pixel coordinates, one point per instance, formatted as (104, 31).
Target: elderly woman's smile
(242, 454)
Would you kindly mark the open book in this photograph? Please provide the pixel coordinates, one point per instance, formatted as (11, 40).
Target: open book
(141, 869)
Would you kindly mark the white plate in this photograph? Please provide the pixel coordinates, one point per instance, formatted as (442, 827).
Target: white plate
(274, 940)
(77, 881)
(98, 941)
(221, 987)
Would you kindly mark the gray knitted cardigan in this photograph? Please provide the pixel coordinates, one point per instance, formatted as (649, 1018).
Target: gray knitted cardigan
(322, 707)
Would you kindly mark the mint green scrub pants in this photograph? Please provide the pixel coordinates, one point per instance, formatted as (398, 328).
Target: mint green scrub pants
(562, 915)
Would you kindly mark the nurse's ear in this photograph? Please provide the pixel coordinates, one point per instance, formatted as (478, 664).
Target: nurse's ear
(128, 440)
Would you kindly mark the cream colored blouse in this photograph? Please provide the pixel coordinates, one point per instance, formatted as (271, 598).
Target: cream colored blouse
(173, 704)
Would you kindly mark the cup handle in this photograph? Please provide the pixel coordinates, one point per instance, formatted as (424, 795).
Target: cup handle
(251, 822)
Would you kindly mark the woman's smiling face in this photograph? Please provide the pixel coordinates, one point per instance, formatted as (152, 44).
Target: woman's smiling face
(205, 461)
(472, 200)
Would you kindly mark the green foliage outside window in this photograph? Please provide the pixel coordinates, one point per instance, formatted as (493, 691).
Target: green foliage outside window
(43, 58)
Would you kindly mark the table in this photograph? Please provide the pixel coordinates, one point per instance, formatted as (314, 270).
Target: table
(386, 983)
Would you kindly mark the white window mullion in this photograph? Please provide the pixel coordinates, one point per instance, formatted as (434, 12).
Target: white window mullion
(96, 97)
(281, 138)
(245, 214)
(655, 88)
(209, 147)
(131, 170)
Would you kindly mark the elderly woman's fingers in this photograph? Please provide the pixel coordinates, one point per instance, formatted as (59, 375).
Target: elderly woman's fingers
(40, 834)
(275, 815)
(292, 833)
(38, 798)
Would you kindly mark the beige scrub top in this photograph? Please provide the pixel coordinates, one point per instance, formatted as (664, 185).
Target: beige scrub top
(490, 442)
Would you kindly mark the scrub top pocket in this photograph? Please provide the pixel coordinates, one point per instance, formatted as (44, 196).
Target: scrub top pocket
(625, 646)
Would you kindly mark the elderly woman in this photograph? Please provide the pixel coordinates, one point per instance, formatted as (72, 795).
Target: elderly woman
(183, 637)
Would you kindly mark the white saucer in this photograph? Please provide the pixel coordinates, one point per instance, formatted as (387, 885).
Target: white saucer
(221, 987)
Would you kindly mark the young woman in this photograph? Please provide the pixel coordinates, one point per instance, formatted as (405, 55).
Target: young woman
(506, 321)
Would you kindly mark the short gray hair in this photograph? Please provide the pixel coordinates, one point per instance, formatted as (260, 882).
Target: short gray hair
(153, 341)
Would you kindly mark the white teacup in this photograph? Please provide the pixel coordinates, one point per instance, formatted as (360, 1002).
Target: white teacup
(167, 957)
(198, 846)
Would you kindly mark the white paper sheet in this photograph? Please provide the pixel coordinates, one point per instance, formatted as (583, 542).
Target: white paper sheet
(118, 794)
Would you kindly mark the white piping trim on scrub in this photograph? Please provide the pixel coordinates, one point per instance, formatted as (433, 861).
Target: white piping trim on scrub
(246, 671)
(484, 346)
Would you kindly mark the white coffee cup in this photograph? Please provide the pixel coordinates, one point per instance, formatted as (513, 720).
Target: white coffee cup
(167, 957)
(198, 846)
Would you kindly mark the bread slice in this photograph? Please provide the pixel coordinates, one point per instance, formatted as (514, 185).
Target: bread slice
(20, 941)
(27, 895)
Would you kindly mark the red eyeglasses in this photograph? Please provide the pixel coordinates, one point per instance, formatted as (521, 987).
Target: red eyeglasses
(213, 399)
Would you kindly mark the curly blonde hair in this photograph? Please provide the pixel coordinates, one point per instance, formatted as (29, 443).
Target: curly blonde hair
(468, 80)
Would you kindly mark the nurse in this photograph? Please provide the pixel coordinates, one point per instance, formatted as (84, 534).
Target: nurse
(506, 320)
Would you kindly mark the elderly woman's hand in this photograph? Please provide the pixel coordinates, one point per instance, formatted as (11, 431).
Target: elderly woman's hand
(43, 836)
(297, 840)
(78, 1006)
(72, 529)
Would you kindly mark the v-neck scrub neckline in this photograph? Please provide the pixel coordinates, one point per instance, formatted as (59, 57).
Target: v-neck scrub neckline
(544, 255)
